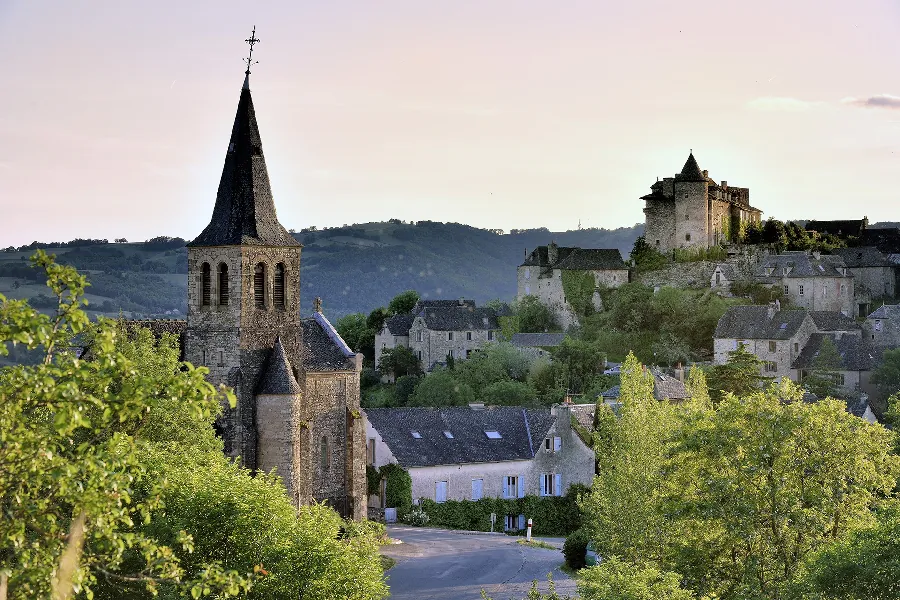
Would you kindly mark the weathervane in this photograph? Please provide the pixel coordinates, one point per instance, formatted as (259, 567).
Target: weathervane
(252, 41)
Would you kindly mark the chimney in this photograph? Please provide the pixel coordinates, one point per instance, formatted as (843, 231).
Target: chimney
(705, 173)
(679, 372)
(724, 185)
(552, 253)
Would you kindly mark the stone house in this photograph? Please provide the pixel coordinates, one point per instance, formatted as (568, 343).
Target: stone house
(777, 337)
(857, 355)
(810, 280)
(466, 453)
(436, 330)
(882, 327)
(691, 210)
(874, 275)
(296, 381)
(541, 275)
(665, 387)
(537, 344)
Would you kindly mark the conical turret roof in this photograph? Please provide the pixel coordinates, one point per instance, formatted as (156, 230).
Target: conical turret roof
(278, 375)
(244, 211)
(691, 170)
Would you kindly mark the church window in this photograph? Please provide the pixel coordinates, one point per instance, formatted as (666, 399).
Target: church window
(223, 284)
(324, 461)
(203, 357)
(259, 285)
(206, 284)
(279, 286)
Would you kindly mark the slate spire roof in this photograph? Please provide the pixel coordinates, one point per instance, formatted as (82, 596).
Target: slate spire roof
(278, 376)
(691, 170)
(244, 211)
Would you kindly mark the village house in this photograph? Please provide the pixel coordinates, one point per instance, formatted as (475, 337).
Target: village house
(882, 327)
(467, 453)
(857, 360)
(810, 280)
(691, 210)
(665, 387)
(537, 344)
(541, 276)
(874, 275)
(439, 330)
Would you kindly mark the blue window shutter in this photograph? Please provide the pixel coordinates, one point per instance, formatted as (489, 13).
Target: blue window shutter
(521, 521)
(557, 444)
(521, 480)
(476, 488)
(557, 484)
(506, 487)
(543, 484)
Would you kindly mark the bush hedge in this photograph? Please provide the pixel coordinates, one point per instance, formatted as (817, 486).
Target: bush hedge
(575, 548)
(553, 515)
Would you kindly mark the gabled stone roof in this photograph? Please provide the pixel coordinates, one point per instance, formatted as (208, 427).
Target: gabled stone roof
(691, 170)
(278, 374)
(458, 318)
(400, 324)
(540, 257)
(245, 211)
(863, 256)
(800, 264)
(754, 323)
(886, 311)
(856, 353)
(592, 259)
(325, 350)
(537, 340)
(854, 227)
(521, 430)
(829, 320)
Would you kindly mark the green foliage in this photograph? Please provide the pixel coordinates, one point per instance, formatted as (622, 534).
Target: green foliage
(355, 331)
(697, 253)
(739, 376)
(373, 480)
(508, 393)
(535, 594)
(615, 579)
(534, 317)
(887, 374)
(398, 488)
(578, 287)
(405, 388)
(551, 515)
(646, 258)
(758, 293)
(790, 236)
(403, 302)
(575, 547)
(440, 388)
(416, 517)
(822, 379)
(581, 360)
(399, 361)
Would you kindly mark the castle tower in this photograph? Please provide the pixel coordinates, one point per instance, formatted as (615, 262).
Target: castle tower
(691, 206)
(243, 285)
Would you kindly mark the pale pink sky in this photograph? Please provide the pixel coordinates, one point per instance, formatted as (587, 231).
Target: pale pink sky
(115, 116)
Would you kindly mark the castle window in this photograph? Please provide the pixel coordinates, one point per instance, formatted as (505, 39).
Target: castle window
(786, 290)
(450, 336)
(773, 346)
(324, 461)
(419, 336)
(687, 237)
(223, 284)
(259, 285)
(278, 292)
(490, 334)
(206, 284)
(469, 336)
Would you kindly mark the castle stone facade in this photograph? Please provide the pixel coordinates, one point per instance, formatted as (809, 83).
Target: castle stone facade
(691, 210)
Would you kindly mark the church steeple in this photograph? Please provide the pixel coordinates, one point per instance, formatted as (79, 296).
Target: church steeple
(244, 213)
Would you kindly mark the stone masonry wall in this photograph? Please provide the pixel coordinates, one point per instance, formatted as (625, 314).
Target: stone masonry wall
(691, 215)
(433, 346)
(659, 228)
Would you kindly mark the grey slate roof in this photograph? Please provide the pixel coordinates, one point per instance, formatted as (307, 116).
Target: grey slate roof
(325, 350)
(829, 320)
(690, 171)
(842, 228)
(441, 304)
(540, 257)
(278, 375)
(753, 323)
(522, 431)
(592, 259)
(245, 211)
(400, 324)
(458, 318)
(537, 340)
(864, 256)
(728, 271)
(886, 311)
(856, 353)
(665, 387)
(800, 264)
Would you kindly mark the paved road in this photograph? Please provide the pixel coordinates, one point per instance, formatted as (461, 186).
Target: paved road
(439, 564)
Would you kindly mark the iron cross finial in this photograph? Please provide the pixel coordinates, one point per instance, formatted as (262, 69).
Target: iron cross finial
(317, 304)
(252, 41)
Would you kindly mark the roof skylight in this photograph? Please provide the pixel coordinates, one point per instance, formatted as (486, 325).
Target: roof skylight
(493, 435)
(448, 435)
(416, 434)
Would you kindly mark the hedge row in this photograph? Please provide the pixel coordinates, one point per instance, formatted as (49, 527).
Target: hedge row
(554, 515)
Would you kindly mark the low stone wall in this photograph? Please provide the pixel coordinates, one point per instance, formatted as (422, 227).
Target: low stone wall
(681, 275)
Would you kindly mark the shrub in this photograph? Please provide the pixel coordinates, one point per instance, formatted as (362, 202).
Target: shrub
(416, 517)
(575, 547)
(365, 529)
(398, 488)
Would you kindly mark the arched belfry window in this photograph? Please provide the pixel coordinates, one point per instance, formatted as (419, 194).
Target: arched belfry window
(205, 284)
(259, 285)
(278, 288)
(323, 454)
(223, 284)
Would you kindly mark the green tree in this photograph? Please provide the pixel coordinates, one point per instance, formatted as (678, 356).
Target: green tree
(534, 317)
(823, 377)
(440, 388)
(697, 388)
(887, 374)
(405, 388)
(403, 302)
(645, 257)
(399, 361)
(508, 393)
(615, 579)
(582, 360)
(355, 331)
(740, 376)
(375, 320)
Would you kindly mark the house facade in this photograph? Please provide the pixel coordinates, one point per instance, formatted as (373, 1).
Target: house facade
(810, 280)
(882, 326)
(691, 210)
(541, 275)
(466, 453)
(874, 276)
(438, 331)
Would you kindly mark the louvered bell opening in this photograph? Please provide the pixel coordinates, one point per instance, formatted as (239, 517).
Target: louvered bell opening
(206, 284)
(278, 292)
(223, 284)
(259, 285)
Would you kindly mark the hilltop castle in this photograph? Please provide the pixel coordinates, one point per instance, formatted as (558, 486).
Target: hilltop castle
(691, 210)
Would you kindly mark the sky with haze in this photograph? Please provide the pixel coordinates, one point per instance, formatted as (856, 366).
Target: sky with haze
(115, 115)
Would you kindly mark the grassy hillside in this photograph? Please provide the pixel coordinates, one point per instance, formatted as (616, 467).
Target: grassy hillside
(352, 269)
